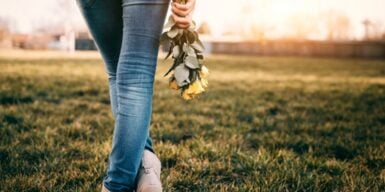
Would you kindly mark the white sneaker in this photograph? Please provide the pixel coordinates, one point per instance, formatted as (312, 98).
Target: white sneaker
(149, 173)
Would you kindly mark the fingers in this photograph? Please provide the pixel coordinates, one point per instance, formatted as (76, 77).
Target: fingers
(182, 22)
(185, 7)
(184, 26)
(187, 3)
(182, 13)
(179, 12)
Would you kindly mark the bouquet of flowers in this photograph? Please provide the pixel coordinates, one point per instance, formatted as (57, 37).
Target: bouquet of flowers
(189, 75)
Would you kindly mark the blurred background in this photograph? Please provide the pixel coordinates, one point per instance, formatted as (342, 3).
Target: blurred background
(296, 99)
(354, 28)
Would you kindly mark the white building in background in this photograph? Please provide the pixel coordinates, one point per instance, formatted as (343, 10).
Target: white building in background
(64, 41)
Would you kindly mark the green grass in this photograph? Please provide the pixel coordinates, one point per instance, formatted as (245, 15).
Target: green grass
(265, 124)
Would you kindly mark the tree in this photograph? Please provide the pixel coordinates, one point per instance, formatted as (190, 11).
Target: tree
(337, 25)
(366, 24)
(4, 29)
(373, 30)
(300, 26)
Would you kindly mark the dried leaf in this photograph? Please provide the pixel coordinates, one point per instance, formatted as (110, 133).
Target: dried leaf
(200, 56)
(191, 37)
(186, 50)
(189, 50)
(198, 46)
(180, 32)
(175, 51)
(181, 75)
(163, 38)
(174, 65)
(173, 32)
(192, 26)
(169, 52)
(193, 75)
(191, 62)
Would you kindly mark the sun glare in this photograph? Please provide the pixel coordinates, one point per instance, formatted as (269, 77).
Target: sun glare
(288, 18)
(273, 18)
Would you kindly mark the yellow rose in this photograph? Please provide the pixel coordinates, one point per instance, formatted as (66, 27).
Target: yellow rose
(195, 88)
(204, 82)
(187, 96)
(204, 72)
(173, 85)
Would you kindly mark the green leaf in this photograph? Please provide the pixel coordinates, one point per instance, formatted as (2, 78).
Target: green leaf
(189, 50)
(169, 52)
(181, 75)
(173, 32)
(172, 67)
(200, 56)
(175, 51)
(191, 62)
(197, 45)
(190, 37)
(180, 32)
(200, 43)
(192, 26)
(163, 38)
(193, 75)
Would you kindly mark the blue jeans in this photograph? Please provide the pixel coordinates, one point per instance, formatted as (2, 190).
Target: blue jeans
(127, 35)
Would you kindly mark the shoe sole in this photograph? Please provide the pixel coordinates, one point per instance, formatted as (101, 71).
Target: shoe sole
(150, 189)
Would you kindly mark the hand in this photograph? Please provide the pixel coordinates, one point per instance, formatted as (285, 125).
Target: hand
(182, 13)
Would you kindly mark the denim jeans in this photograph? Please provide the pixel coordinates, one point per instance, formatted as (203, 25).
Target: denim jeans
(126, 33)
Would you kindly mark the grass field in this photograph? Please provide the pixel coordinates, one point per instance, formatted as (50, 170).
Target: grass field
(265, 124)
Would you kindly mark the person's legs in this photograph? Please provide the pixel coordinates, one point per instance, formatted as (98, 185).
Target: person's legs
(142, 24)
(104, 19)
(130, 66)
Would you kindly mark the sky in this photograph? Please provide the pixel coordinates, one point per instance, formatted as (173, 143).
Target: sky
(221, 15)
